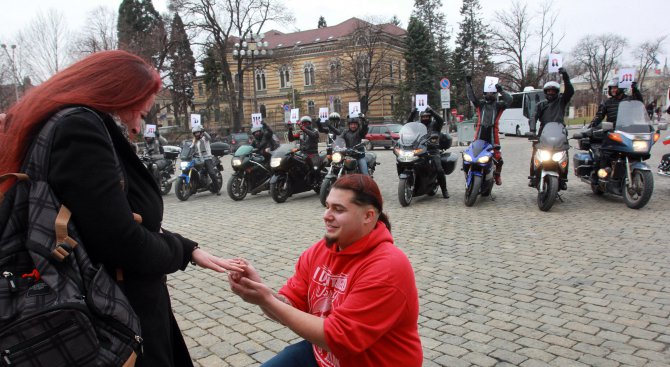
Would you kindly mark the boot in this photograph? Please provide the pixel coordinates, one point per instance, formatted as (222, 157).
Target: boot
(445, 193)
(532, 181)
(497, 178)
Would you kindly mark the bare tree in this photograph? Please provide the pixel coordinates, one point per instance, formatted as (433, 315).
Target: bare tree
(647, 53)
(222, 23)
(48, 37)
(98, 34)
(522, 40)
(599, 56)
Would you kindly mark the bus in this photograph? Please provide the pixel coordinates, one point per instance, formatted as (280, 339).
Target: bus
(515, 120)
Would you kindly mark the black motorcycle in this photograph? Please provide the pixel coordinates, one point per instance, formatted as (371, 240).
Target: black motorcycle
(194, 178)
(550, 163)
(344, 161)
(416, 168)
(161, 168)
(252, 173)
(626, 148)
(292, 175)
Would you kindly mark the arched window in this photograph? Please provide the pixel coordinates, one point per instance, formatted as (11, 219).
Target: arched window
(335, 71)
(260, 79)
(311, 110)
(284, 76)
(337, 105)
(309, 73)
(263, 111)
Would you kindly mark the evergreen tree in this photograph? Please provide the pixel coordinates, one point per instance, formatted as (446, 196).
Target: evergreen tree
(419, 61)
(141, 30)
(395, 21)
(472, 54)
(182, 69)
(213, 79)
(322, 22)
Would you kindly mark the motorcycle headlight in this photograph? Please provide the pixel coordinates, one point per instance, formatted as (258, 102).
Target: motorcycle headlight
(275, 162)
(183, 165)
(236, 162)
(557, 157)
(484, 159)
(640, 145)
(544, 155)
(467, 157)
(406, 155)
(337, 157)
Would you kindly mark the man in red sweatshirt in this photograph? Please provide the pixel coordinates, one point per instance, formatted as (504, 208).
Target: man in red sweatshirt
(353, 296)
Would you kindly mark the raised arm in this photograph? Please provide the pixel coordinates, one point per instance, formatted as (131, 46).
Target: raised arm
(470, 92)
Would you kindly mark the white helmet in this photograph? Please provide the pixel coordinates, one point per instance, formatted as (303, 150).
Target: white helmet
(197, 129)
(334, 116)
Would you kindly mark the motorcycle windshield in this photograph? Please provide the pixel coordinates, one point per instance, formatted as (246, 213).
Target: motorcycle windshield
(478, 146)
(282, 150)
(185, 153)
(339, 144)
(411, 132)
(554, 137)
(243, 150)
(632, 118)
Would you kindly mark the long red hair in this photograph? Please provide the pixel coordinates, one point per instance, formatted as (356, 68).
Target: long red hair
(108, 81)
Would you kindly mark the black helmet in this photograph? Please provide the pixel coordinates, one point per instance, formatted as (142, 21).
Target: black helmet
(551, 90)
(490, 96)
(354, 120)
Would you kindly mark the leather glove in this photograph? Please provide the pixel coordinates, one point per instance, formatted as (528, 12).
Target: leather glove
(562, 70)
(633, 85)
(499, 88)
(468, 78)
(428, 109)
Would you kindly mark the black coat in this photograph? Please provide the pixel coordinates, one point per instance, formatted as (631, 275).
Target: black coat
(609, 109)
(83, 176)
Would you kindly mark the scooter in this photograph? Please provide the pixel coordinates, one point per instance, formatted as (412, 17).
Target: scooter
(550, 163)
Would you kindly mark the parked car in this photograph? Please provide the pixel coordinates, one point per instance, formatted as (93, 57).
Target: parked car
(382, 135)
(236, 140)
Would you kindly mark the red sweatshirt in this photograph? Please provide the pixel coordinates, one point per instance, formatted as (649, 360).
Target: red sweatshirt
(367, 295)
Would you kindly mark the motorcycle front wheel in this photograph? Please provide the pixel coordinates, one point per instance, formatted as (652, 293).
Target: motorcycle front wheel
(325, 190)
(165, 186)
(280, 190)
(638, 192)
(405, 191)
(472, 191)
(182, 189)
(237, 187)
(547, 197)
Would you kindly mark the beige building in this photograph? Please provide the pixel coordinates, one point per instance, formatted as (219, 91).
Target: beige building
(324, 67)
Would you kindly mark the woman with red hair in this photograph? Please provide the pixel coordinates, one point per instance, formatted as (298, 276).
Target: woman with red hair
(114, 91)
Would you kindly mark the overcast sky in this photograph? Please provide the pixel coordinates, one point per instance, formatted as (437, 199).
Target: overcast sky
(638, 20)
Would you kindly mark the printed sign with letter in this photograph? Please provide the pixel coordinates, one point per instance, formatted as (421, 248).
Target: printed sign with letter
(490, 84)
(256, 119)
(555, 61)
(421, 102)
(626, 77)
(195, 119)
(295, 113)
(323, 113)
(354, 109)
(150, 129)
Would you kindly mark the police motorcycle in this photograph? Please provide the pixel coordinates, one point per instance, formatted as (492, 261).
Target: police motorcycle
(478, 168)
(194, 178)
(251, 173)
(416, 168)
(292, 175)
(627, 146)
(550, 162)
(344, 161)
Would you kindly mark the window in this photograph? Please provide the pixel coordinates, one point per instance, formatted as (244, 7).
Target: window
(309, 74)
(335, 71)
(337, 105)
(375, 130)
(263, 111)
(362, 67)
(284, 76)
(310, 108)
(200, 89)
(260, 79)
(391, 70)
(392, 102)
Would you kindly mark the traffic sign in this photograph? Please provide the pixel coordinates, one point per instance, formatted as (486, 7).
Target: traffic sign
(445, 98)
(444, 83)
(286, 108)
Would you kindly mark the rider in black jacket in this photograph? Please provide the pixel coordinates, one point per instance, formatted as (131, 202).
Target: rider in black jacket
(358, 128)
(434, 124)
(263, 140)
(309, 140)
(552, 109)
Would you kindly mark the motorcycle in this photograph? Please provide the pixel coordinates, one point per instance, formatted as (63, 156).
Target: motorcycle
(194, 178)
(417, 173)
(478, 169)
(162, 169)
(292, 175)
(252, 173)
(664, 167)
(627, 147)
(550, 163)
(344, 161)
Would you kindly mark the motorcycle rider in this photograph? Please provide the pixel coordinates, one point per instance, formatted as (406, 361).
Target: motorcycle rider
(309, 141)
(152, 147)
(552, 109)
(358, 128)
(263, 140)
(489, 111)
(202, 148)
(434, 123)
(610, 109)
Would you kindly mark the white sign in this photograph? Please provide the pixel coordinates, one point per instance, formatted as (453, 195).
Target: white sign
(490, 84)
(555, 62)
(295, 115)
(323, 113)
(421, 102)
(626, 77)
(256, 119)
(354, 109)
(195, 119)
(445, 98)
(150, 129)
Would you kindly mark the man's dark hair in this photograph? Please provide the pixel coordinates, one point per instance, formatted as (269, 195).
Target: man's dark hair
(366, 192)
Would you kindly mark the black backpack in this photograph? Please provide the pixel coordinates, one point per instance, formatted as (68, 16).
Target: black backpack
(57, 308)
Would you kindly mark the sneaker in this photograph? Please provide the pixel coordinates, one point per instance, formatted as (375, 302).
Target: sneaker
(498, 180)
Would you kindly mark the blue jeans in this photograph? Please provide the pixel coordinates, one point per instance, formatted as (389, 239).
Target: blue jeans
(295, 355)
(363, 165)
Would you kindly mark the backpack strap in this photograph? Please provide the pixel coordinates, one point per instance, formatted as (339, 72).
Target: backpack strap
(64, 243)
(7, 176)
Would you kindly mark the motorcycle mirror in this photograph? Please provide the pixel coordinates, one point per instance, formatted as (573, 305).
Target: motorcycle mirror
(607, 126)
(663, 126)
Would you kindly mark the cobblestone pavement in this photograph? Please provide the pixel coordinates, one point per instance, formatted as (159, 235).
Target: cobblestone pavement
(500, 284)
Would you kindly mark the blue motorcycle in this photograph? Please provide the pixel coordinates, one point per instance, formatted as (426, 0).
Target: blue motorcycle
(478, 168)
(625, 146)
(194, 177)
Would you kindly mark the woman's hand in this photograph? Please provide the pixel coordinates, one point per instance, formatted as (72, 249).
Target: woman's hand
(206, 260)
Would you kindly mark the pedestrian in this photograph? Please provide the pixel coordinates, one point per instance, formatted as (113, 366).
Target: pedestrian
(113, 91)
(353, 297)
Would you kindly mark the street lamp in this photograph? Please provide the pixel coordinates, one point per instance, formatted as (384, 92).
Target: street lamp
(13, 66)
(250, 47)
